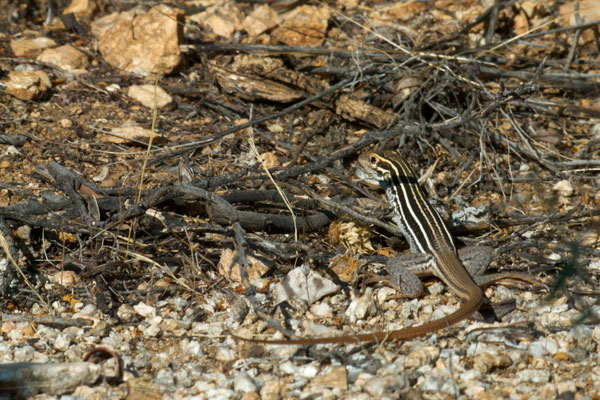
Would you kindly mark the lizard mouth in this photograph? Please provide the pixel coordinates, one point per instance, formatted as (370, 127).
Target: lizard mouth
(365, 174)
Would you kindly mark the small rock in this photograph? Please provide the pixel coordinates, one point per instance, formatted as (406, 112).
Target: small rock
(271, 390)
(543, 347)
(89, 310)
(126, 312)
(100, 329)
(566, 387)
(255, 270)
(223, 19)
(383, 294)
(378, 387)
(165, 377)
(65, 278)
(421, 356)
(221, 394)
(239, 309)
(31, 48)
(486, 362)
(169, 325)
(243, 383)
(583, 337)
(144, 310)
(192, 348)
(225, 354)
(250, 396)
(304, 284)
(66, 57)
(270, 160)
(28, 85)
(24, 354)
(333, 377)
(62, 342)
(129, 134)
(82, 8)
(534, 375)
(321, 310)
(362, 307)
(150, 330)
(7, 327)
(145, 94)
(66, 123)
(260, 20)
(564, 188)
(304, 26)
(308, 371)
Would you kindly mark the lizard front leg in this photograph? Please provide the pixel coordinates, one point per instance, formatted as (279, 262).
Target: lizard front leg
(405, 271)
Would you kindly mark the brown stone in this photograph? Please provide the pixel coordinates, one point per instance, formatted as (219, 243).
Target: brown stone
(304, 26)
(66, 57)
(83, 8)
(145, 95)
(141, 43)
(224, 19)
(261, 20)
(28, 85)
(31, 47)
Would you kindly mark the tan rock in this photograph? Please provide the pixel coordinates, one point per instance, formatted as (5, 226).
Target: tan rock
(127, 134)
(255, 270)
(564, 188)
(261, 20)
(143, 44)
(65, 278)
(588, 10)
(28, 85)
(145, 95)
(66, 57)
(31, 47)
(333, 378)
(304, 26)
(224, 18)
(84, 8)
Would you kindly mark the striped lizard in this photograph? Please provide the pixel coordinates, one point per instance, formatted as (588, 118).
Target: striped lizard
(432, 253)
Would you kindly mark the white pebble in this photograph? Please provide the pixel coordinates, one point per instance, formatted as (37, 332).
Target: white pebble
(62, 342)
(243, 383)
(144, 310)
(564, 188)
(321, 310)
(221, 394)
(225, 354)
(534, 375)
(543, 347)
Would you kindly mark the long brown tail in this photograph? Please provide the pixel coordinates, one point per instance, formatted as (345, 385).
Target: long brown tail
(469, 307)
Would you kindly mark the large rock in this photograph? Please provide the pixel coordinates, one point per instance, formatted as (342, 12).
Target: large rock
(31, 47)
(142, 43)
(28, 85)
(66, 57)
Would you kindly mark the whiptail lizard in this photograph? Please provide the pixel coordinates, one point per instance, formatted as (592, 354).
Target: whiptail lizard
(432, 253)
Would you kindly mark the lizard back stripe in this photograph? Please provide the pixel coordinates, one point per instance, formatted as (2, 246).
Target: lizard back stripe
(423, 226)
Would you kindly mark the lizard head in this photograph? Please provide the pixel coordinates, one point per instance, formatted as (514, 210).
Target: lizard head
(386, 168)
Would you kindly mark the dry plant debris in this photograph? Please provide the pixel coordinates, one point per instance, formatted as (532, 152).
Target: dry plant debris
(137, 233)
